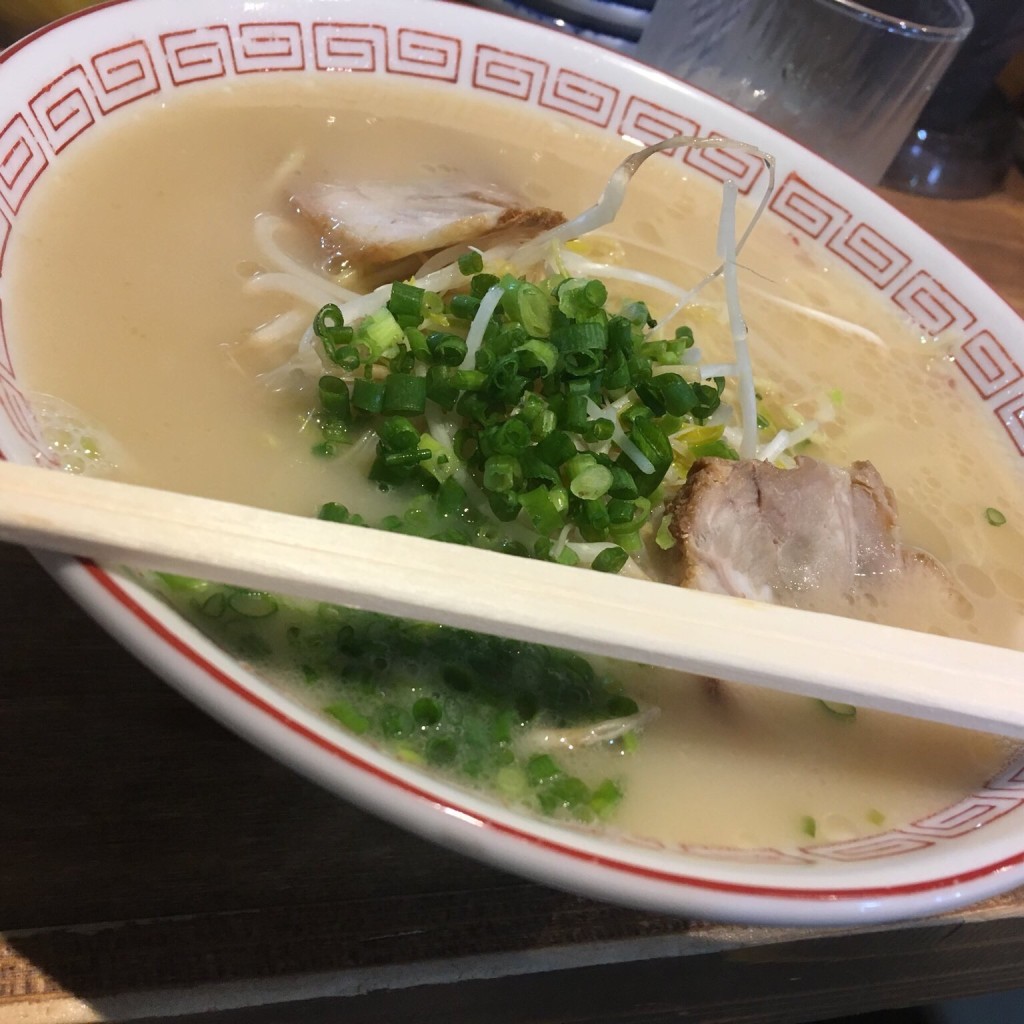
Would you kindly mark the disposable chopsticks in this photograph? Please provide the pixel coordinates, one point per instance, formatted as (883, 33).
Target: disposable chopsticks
(916, 674)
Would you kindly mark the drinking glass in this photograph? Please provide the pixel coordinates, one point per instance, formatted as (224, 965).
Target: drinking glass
(846, 79)
(962, 143)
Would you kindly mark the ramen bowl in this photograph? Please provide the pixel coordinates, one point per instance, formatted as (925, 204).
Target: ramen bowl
(78, 85)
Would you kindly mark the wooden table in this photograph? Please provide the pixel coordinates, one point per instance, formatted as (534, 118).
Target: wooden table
(151, 864)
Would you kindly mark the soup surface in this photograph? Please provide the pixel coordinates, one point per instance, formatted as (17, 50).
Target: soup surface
(133, 314)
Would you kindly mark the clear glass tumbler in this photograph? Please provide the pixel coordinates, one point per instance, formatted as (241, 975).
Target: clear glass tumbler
(846, 79)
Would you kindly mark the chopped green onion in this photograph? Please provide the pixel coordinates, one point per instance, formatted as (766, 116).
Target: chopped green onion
(847, 712)
(404, 393)
(349, 717)
(482, 284)
(676, 394)
(508, 438)
(663, 538)
(556, 448)
(417, 344)
(605, 798)
(334, 398)
(464, 307)
(397, 434)
(528, 305)
(621, 511)
(406, 300)
(368, 395)
(381, 333)
(451, 497)
(471, 263)
(532, 398)
(328, 320)
(655, 447)
(344, 355)
(995, 517)
(426, 712)
(574, 413)
(544, 515)
(591, 482)
(252, 604)
(335, 513)
(441, 387)
(336, 338)
(501, 473)
(592, 520)
(714, 449)
(599, 430)
(541, 768)
(638, 314)
(401, 460)
(685, 335)
(581, 344)
(536, 355)
(468, 380)
(621, 706)
(610, 560)
(581, 299)
(447, 349)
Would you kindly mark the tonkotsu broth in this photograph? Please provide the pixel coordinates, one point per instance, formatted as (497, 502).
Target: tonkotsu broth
(125, 300)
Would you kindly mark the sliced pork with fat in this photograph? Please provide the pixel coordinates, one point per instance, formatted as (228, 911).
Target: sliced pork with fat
(816, 536)
(372, 223)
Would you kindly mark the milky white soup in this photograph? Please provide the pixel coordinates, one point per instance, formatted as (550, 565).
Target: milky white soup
(131, 312)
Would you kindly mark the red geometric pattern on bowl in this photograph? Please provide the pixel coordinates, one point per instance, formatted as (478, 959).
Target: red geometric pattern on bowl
(5, 233)
(6, 363)
(969, 814)
(738, 855)
(986, 364)
(22, 160)
(1011, 778)
(269, 46)
(17, 409)
(197, 54)
(870, 253)
(583, 97)
(14, 404)
(426, 54)
(1011, 415)
(882, 847)
(808, 210)
(509, 74)
(725, 164)
(933, 306)
(63, 108)
(124, 74)
(647, 123)
(338, 46)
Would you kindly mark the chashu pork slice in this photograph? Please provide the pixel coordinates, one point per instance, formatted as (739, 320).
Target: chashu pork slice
(373, 223)
(816, 536)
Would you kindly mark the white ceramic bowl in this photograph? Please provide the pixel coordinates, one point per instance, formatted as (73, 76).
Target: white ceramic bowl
(58, 84)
